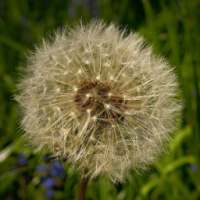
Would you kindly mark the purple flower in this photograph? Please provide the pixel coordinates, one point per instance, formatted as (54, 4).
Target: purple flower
(48, 182)
(41, 168)
(22, 160)
(49, 193)
(47, 157)
(57, 169)
(193, 167)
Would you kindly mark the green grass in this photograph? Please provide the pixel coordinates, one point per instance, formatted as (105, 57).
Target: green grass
(171, 27)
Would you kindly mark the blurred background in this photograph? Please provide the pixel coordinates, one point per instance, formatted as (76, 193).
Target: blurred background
(172, 27)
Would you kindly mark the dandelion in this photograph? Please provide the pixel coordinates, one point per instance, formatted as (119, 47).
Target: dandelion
(100, 98)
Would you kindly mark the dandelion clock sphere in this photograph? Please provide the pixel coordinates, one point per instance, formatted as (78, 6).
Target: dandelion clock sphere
(99, 97)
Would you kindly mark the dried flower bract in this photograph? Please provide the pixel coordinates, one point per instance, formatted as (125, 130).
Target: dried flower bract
(99, 97)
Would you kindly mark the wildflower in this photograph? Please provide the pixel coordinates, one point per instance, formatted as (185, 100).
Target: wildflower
(57, 169)
(99, 97)
(47, 157)
(22, 159)
(48, 182)
(49, 193)
(41, 168)
(193, 167)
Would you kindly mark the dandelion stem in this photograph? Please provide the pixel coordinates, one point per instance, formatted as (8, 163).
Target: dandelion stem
(82, 189)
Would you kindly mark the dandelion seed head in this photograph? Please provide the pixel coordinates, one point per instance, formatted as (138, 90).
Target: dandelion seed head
(101, 98)
(57, 89)
(79, 71)
(98, 77)
(94, 117)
